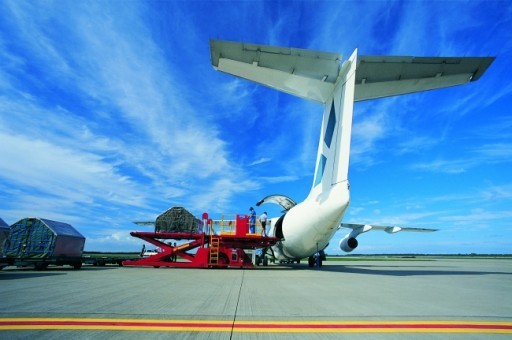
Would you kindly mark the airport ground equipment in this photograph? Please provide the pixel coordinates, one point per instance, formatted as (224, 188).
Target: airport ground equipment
(39, 242)
(206, 248)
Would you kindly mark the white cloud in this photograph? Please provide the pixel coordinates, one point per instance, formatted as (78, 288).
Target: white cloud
(483, 155)
(416, 144)
(59, 171)
(137, 117)
(371, 125)
(279, 179)
(260, 161)
(106, 116)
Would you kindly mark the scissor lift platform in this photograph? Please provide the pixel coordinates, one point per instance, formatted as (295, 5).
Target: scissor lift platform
(213, 251)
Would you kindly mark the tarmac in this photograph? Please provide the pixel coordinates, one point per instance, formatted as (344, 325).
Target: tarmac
(416, 298)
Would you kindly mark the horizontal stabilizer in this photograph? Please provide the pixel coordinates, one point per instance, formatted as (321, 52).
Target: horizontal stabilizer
(378, 76)
(304, 73)
(312, 75)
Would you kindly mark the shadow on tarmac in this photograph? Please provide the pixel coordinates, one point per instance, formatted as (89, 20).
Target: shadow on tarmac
(17, 275)
(31, 272)
(412, 270)
(401, 271)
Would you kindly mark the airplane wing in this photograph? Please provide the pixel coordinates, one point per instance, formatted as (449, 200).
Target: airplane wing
(349, 242)
(389, 229)
(313, 74)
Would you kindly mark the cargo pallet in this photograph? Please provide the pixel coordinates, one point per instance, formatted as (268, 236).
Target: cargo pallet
(213, 251)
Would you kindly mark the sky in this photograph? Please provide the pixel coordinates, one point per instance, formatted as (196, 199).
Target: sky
(110, 112)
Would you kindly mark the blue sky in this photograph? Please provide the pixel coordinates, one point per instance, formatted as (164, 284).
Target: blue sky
(110, 112)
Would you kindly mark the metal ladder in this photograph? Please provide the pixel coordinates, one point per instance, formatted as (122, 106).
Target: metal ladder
(214, 250)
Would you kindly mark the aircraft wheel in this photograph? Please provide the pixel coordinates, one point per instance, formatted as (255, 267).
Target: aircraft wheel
(311, 261)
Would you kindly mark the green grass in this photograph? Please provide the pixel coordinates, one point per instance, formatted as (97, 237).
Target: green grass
(416, 257)
(111, 255)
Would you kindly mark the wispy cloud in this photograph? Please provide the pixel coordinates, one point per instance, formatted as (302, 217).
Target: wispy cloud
(259, 161)
(63, 172)
(483, 155)
(279, 179)
(416, 144)
(111, 112)
(129, 137)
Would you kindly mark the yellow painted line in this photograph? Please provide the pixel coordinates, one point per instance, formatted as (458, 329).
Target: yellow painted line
(259, 326)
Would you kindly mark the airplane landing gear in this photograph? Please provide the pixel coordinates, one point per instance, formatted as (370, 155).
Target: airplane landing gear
(315, 261)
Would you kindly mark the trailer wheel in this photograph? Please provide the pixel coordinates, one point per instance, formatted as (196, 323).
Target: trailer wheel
(40, 266)
(223, 261)
(77, 265)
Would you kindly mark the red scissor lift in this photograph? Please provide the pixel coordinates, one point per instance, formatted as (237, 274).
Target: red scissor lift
(222, 250)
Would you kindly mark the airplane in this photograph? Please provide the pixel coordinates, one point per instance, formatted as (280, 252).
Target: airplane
(306, 228)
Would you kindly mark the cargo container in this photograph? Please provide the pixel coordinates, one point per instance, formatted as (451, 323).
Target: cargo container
(177, 219)
(42, 242)
(39, 242)
(4, 235)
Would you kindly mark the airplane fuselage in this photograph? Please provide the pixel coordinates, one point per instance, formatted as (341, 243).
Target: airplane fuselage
(307, 227)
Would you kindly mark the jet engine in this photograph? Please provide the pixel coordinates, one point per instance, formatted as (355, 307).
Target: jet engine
(348, 243)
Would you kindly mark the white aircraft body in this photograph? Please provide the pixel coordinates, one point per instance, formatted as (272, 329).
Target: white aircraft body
(306, 228)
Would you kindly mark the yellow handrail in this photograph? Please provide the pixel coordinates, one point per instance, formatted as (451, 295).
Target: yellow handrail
(227, 225)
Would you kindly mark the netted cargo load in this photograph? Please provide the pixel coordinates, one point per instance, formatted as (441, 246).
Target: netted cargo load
(4, 234)
(177, 219)
(42, 238)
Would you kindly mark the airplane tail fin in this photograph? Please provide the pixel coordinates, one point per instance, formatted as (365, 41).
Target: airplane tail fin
(312, 75)
(320, 76)
(334, 145)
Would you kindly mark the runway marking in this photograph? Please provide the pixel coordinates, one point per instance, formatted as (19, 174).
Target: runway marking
(256, 326)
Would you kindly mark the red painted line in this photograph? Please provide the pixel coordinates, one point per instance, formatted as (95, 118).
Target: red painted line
(379, 325)
(257, 326)
(117, 323)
